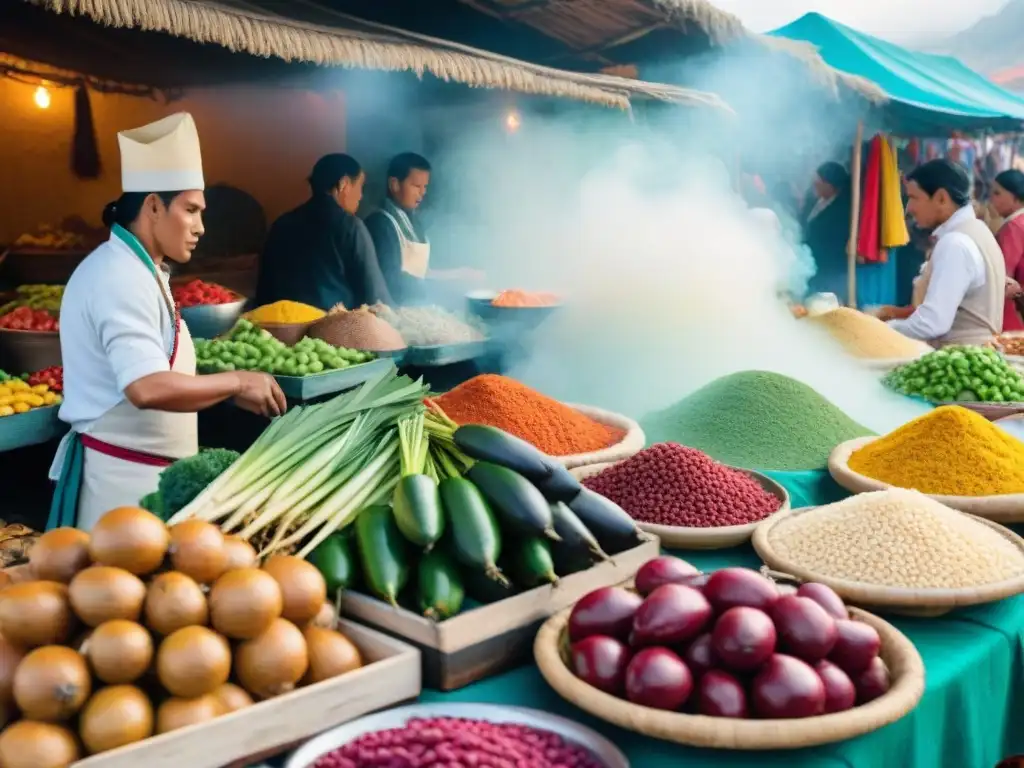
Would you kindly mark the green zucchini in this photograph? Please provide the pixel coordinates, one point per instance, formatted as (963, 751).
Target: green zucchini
(383, 553)
(439, 586)
(333, 558)
(574, 534)
(491, 444)
(611, 524)
(473, 530)
(531, 562)
(516, 500)
(560, 485)
(484, 589)
(418, 513)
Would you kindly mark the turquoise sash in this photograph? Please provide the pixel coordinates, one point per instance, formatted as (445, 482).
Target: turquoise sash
(64, 507)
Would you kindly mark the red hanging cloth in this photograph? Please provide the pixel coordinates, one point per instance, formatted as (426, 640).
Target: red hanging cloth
(869, 231)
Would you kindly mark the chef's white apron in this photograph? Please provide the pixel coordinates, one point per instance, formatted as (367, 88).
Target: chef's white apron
(125, 449)
(415, 256)
(110, 481)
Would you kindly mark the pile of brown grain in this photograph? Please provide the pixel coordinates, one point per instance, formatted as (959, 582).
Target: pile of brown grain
(868, 337)
(358, 329)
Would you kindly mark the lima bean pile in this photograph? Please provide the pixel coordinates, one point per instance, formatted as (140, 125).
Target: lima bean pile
(960, 373)
(896, 538)
(756, 420)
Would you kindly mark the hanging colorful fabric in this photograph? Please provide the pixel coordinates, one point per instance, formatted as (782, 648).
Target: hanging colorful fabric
(868, 249)
(894, 232)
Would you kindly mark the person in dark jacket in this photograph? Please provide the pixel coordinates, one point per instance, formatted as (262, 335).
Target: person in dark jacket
(321, 253)
(826, 226)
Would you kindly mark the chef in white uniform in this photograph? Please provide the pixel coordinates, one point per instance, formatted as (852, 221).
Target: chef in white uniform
(960, 292)
(130, 389)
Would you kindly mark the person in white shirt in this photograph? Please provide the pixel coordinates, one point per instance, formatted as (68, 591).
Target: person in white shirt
(130, 389)
(962, 284)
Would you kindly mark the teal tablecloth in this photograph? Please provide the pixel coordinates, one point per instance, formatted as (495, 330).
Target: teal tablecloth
(971, 715)
(811, 488)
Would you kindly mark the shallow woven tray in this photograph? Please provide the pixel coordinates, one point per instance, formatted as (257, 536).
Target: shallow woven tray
(631, 444)
(677, 537)
(905, 600)
(898, 652)
(1004, 508)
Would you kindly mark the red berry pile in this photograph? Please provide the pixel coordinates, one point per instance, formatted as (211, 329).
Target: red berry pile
(53, 377)
(28, 319)
(669, 484)
(446, 742)
(197, 293)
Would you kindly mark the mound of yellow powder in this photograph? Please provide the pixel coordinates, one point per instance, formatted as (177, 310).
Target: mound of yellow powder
(950, 451)
(868, 337)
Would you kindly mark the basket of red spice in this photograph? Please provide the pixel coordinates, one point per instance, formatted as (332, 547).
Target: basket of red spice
(574, 435)
(686, 498)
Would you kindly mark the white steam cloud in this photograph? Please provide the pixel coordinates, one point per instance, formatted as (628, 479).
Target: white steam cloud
(669, 280)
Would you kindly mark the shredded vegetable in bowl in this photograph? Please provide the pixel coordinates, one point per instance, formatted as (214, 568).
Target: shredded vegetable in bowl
(428, 326)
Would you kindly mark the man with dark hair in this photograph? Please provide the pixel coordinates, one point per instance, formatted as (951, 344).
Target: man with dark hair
(321, 253)
(961, 288)
(403, 249)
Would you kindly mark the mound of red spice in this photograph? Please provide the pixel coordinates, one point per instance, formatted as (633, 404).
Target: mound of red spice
(553, 427)
(449, 741)
(669, 484)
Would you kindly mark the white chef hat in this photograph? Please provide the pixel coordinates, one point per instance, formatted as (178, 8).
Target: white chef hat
(162, 157)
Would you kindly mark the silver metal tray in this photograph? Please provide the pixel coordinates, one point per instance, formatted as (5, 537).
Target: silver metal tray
(307, 755)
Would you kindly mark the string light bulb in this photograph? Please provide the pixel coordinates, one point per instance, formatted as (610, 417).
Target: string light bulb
(513, 121)
(42, 97)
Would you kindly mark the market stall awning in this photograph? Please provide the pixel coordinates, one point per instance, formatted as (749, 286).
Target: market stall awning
(929, 94)
(296, 32)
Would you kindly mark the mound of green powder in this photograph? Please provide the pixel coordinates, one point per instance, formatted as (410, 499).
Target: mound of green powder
(756, 420)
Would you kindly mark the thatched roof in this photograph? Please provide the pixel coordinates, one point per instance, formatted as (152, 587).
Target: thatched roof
(336, 39)
(612, 33)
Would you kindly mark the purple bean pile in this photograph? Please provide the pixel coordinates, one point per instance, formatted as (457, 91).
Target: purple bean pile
(449, 742)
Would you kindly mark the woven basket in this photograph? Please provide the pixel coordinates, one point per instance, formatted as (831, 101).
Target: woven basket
(904, 600)
(1004, 508)
(677, 537)
(898, 652)
(631, 444)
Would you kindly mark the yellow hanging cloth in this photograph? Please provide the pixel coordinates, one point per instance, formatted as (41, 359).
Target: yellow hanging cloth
(893, 232)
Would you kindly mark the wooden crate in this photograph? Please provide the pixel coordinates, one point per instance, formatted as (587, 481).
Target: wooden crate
(486, 640)
(391, 676)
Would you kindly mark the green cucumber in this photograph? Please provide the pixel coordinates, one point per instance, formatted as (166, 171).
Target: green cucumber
(418, 513)
(484, 589)
(493, 445)
(382, 551)
(517, 501)
(574, 535)
(439, 587)
(333, 558)
(531, 562)
(611, 524)
(473, 530)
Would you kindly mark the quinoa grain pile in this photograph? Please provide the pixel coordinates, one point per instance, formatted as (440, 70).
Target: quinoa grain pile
(897, 538)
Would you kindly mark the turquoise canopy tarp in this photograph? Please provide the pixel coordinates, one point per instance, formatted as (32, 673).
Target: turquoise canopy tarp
(930, 94)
